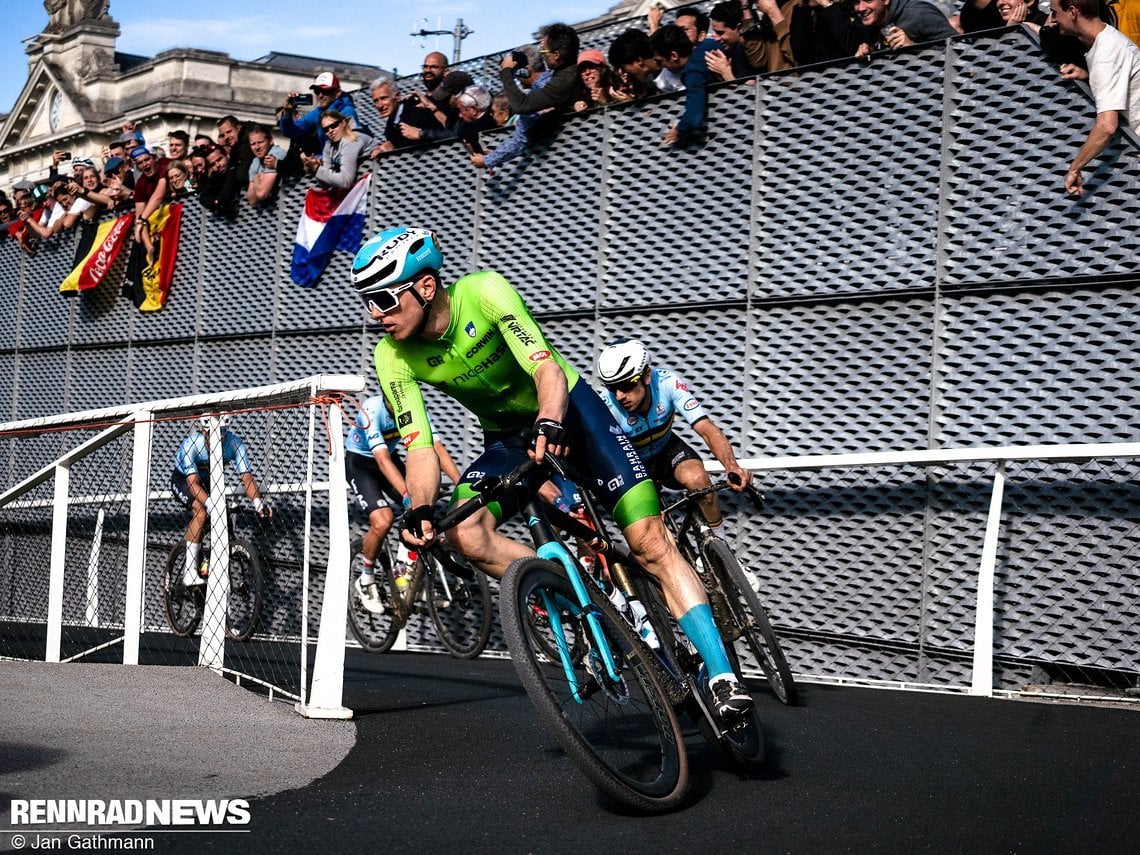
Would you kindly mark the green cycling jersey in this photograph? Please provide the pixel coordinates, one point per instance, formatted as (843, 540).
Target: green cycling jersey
(486, 360)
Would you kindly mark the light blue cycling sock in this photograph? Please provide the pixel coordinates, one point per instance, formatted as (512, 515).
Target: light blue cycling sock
(697, 624)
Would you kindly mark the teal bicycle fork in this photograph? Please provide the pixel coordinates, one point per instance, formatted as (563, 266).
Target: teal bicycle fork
(551, 549)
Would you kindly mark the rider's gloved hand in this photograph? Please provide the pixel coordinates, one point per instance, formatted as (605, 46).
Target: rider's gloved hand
(548, 435)
(419, 524)
(264, 510)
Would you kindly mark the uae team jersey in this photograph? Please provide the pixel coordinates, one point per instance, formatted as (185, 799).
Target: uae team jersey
(668, 395)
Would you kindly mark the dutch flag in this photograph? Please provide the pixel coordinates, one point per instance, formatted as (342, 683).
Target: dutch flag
(332, 220)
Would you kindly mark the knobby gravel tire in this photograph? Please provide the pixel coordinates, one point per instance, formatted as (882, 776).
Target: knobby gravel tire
(375, 633)
(757, 629)
(624, 737)
(460, 607)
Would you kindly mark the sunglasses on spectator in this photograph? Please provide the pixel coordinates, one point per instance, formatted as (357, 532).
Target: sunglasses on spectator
(329, 127)
(387, 301)
(626, 385)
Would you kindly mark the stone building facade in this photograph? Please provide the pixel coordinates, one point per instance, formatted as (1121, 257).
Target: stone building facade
(80, 90)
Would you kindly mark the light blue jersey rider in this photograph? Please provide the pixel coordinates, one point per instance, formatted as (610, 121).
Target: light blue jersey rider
(668, 395)
(193, 457)
(374, 426)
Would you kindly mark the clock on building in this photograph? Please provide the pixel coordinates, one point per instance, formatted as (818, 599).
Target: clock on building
(55, 108)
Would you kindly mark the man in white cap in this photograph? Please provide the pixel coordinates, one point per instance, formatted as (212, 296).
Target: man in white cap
(327, 95)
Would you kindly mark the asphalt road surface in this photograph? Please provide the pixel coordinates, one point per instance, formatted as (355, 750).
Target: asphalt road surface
(447, 756)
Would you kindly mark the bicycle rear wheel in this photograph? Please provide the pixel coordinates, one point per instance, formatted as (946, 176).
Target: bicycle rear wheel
(184, 604)
(756, 627)
(244, 606)
(459, 601)
(623, 735)
(375, 632)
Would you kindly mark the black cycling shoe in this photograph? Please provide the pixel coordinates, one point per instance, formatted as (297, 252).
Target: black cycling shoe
(730, 699)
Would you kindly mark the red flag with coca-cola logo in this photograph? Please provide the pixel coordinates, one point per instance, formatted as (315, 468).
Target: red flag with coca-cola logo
(105, 248)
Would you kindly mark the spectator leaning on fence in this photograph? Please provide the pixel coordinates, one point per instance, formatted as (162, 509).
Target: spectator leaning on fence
(1114, 75)
(474, 105)
(514, 145)
(822, 30)
(222, 184)
(234, 138)
(632, 59)
(977, 15)
(267, 159)
(396, 113)
(598, 83)
(900, 23)
(675, 52)
(344, 149)
(150, 187)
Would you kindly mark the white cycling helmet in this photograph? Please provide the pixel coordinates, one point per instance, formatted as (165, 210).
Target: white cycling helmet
(395, 256)
(624, 360)
(204, 422)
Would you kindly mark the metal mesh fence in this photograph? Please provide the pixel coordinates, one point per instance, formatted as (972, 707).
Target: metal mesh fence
(862, 256)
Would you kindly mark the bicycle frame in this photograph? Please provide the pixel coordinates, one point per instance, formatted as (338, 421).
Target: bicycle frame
(550, 548)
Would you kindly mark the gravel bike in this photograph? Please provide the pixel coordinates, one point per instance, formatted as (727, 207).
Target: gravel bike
(611, 700)
(441, 583)
(185, 604)
(736, 604)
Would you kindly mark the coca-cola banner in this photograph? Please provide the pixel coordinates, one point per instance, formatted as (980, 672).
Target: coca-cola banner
(105, 248)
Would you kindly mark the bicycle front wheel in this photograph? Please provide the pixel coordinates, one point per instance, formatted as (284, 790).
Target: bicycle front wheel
(184, 604)
(623, 734)
(755, 626)
(459, 601)
(244, 606)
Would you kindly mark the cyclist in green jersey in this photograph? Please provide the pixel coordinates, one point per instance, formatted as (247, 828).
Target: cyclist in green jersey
(477, 342)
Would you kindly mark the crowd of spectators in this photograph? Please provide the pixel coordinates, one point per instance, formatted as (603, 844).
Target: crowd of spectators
(320, 134)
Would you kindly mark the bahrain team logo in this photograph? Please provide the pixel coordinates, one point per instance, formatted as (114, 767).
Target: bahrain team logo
(470, 329)
(539, 355)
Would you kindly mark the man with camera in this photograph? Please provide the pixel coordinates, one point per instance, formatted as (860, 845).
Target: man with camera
(398, 115)
(305, 130)
(551, 93)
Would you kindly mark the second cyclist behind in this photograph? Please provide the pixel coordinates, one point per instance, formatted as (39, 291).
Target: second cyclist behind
(376, 485)
(644, 401)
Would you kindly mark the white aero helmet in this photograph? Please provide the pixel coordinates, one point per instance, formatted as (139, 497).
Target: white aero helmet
(623, 361)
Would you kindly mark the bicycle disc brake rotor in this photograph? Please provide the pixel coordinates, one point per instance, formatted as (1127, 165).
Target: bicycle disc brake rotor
(617, 692)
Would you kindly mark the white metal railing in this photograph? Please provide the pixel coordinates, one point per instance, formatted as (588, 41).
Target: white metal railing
(982, 678)
(325, 697)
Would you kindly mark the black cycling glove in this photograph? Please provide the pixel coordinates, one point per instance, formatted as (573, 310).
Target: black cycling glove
(414, 521)
(554, 432)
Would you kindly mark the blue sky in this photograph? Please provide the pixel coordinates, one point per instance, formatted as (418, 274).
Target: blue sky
(375, 32)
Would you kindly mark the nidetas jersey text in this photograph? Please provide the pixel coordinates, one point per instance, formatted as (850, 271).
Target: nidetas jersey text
(486, 360)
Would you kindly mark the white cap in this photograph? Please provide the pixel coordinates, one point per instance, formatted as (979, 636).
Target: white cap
(326, 80)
